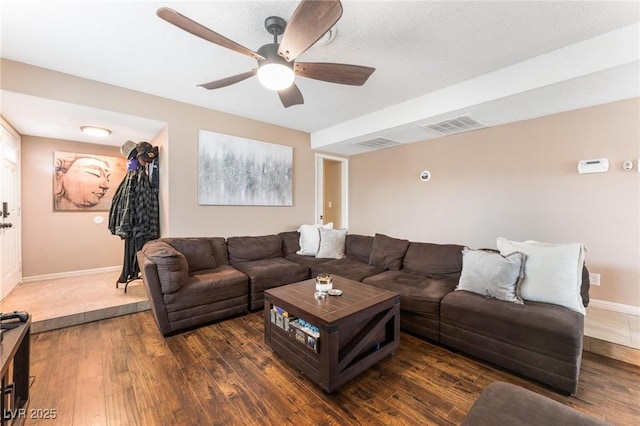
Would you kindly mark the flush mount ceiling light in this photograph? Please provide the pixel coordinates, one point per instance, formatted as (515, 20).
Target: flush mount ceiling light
(95, 131)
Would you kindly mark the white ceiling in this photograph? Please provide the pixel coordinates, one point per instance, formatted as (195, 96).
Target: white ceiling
(36, 116)
(433, 60)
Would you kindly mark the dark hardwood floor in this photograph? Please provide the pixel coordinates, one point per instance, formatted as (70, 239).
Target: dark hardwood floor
(121, 371)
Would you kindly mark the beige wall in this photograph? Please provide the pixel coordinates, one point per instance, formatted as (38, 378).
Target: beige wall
(181, 215)
(518, 181)
(54, 242)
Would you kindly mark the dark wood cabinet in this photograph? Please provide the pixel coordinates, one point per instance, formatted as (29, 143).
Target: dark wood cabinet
(15, 352)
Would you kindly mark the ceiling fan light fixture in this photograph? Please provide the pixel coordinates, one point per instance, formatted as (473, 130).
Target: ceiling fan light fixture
(95, 131)
(277, 69)
(276, 76)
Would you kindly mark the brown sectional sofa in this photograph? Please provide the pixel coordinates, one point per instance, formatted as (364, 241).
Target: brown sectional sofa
(190, 284)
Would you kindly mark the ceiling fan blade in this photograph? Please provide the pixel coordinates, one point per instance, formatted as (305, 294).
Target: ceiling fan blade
(354, 75)
(291, 96)
(308, 23)
(229, 80)
(191, 26)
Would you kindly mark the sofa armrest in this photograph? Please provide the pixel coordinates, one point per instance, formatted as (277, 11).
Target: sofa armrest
(171, 265)
(149, 272)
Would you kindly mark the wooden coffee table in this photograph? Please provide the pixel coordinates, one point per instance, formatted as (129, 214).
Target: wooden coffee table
(354, 330)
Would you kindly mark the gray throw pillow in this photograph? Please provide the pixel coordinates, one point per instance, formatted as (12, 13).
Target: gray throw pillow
(332, 243)
(492, 275)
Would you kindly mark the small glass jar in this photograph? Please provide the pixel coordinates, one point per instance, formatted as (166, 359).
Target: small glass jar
(319, 295)
(324, 283)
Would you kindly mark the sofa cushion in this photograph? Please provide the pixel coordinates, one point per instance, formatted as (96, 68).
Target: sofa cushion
(197, 251)
(267, 273)
(220, 252)
(347, 268)
(359, 247)
(247, 249)
(433, 259)
(332, 243)
(290, 242)
(543, 328)
(387, 252)
(307, 261)
(552, 272)
(210, 286)
(425, 297)
(417, 294)
(172, 266)
(396, 279)
(492, 275)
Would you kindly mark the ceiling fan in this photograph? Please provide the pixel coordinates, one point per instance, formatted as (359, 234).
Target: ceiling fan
(276, 61)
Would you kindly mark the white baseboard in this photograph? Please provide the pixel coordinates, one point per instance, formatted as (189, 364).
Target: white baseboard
(616, 307)
(68, 274)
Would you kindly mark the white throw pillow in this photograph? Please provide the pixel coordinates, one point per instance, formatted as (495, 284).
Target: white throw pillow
(492, 275)
(332, 243)
(310, 238)
(552, 272)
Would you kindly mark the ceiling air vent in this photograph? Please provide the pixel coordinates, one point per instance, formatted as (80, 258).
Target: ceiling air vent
(378, 143)
(463, 123)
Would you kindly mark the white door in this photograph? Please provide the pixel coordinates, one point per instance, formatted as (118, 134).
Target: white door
(10, 220)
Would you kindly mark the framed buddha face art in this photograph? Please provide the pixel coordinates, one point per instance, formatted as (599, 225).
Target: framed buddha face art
(85, 182)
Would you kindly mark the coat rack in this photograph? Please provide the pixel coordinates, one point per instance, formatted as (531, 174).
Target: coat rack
(134, 213)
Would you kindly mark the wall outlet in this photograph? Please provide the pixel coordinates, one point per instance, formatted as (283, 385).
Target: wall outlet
(594, 279)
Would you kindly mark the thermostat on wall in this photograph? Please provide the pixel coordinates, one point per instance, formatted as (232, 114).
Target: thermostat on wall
(598, 165)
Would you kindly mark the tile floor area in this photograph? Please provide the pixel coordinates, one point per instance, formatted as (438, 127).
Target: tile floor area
(613, 327)
(64, 302)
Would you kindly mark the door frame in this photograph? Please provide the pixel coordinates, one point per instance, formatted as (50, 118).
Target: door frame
(320, 187)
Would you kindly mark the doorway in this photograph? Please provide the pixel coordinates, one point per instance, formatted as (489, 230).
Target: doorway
(332, 195)
(10, 220)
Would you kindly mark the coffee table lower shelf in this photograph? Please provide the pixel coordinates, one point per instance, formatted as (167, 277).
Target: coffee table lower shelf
(344, 347)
